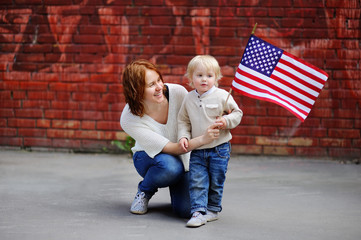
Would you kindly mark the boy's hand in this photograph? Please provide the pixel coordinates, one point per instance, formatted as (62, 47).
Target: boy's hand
(222, 122)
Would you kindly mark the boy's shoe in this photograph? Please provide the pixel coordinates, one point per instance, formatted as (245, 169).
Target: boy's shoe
(140, 204)
(211, 216)
(196, 220)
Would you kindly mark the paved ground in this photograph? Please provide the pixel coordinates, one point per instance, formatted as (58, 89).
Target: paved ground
(62, 196)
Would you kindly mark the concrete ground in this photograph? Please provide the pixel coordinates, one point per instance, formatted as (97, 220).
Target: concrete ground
(63, 196)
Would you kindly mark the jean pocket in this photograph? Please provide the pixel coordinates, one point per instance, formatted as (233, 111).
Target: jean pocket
(136, 156)
(224, 150)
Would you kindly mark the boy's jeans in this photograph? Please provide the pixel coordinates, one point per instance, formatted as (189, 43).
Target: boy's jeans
(164, 170)
(207, 173)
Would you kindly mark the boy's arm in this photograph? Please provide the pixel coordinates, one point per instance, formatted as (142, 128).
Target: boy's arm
(210, 134)
(184, 125)
(234, 117)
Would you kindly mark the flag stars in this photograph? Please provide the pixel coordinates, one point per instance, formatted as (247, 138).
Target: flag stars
(261, 56)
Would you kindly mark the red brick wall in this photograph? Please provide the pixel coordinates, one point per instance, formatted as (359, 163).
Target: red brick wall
(61, 64)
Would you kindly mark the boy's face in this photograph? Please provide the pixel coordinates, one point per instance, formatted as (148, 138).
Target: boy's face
(203, 79)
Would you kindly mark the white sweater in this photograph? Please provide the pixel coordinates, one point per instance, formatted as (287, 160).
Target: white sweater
(151, 136)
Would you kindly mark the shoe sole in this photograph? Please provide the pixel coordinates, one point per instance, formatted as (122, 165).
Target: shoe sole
(138, 213)
(194, 226)
(212, 219)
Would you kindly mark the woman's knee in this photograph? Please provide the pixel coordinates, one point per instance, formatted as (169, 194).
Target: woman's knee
(171, 164)
(171, 169)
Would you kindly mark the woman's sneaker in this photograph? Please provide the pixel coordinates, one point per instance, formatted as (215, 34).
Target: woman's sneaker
(196, 220)
(211, 216)
(140, 204)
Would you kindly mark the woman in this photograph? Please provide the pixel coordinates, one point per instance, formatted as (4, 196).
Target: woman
(150, 117)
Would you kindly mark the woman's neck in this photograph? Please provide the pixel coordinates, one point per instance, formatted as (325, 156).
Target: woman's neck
(159, 111)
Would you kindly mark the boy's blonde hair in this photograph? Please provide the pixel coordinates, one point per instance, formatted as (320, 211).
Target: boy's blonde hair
(209, 62)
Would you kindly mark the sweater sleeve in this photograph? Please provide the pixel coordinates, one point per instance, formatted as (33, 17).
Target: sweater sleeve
(184, 125)
(234, 118)
(150, 141)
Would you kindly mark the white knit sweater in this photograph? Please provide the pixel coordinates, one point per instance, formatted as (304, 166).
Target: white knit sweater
(151, 136)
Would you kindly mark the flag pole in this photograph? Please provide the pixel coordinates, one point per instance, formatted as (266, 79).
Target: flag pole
(225, 103)
(254, 28)
(230, 90)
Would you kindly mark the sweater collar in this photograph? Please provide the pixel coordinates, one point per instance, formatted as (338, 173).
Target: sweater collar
(208, 92)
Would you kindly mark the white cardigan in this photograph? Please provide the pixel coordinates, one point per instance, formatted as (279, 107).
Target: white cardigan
(151, 136)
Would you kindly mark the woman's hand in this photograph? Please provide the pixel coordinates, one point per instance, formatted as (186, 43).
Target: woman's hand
(184, 144)
(211, 133)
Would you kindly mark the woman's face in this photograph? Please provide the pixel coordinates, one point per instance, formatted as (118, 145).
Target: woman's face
(153, 92)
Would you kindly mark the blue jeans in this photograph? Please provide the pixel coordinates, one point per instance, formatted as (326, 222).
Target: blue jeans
(164, 170)
(207, 171)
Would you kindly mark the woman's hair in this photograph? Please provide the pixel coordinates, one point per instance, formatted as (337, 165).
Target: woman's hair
(209, 62)
(134, 84)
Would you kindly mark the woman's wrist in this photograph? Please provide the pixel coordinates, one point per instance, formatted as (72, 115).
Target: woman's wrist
(197, 142)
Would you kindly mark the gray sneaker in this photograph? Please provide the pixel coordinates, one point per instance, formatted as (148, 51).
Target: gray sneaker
(196, 220)
(140, 204)
(211, 216)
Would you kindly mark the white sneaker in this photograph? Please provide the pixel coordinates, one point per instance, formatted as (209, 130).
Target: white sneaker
(211, 216)
(140, 204)
(196, 220)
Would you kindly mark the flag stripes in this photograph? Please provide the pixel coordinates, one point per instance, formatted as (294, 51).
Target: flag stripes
(294, 84)
(270, 92)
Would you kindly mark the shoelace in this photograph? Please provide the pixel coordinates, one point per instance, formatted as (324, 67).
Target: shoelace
(140, 196)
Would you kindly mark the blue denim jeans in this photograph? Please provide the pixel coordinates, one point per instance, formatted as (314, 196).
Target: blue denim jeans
(164, 170)
(207, 171)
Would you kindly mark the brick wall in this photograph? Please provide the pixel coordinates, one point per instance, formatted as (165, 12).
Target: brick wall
(61, 64)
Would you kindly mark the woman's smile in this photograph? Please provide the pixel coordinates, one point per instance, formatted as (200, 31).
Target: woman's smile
(153, 92)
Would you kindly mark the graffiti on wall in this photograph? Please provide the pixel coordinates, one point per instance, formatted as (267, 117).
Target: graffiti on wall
(52, 36)
(62, 28)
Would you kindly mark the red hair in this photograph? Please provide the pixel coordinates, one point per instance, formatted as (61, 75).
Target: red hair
(134, 84)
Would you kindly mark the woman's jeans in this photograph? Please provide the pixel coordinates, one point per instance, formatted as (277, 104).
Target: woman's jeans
(207, 172)
(164, 170)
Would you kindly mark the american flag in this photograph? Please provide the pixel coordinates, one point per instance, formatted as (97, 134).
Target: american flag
(269, 73)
